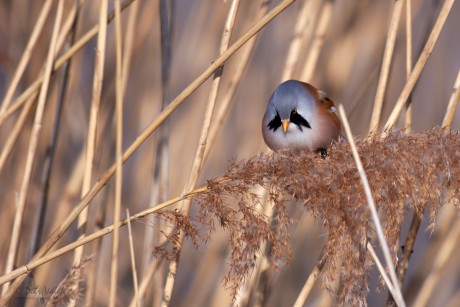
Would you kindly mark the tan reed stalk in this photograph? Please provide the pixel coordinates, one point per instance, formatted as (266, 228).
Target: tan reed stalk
(384, 245)
(91, 275)
(159, 188)
(311, 280)
(417, 217)
(37, 29)
(262, 280)
(12, 137)
(318, 41)
(71, 190)
(403, 263)
(444, 255)
(69, 24)
(35, 134)
(420, 65)
(133, 260)
(380, 267)
(92, 127)
(416, 220)
(129, 43)
(202, 143)
(453, 102)
(453, 236)
(118, 156)
(408, 61)
(35, 86)
(385, 69)
(224, 104)
(14, 133)
(38, 261)
(302, 25)
(303, 19)
(65, 28)
(57, 234)
(145, 282)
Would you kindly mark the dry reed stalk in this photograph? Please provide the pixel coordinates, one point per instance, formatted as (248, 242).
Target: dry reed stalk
(12, 138)
(38, 261)
(98, 77)
(160, 182)
(118, 156)
(57, 234)
(403, 263)
(385, 69)
(417, 216)
(35, 134)
(408, 62)
(70, 23)
(129, 42)
(291, 61)
(444, 255)
(126, 62)
(386, 251)
(318, 41)
(131, 30)
(35, 86)
(145, 282)
(304, 19)
(37, 29)
(261, 286)
(14, 133)
(420, 65)
(223, 107)
(380, 267)
(311, 280)
(453, 102)
(71, 190)
(186, 92)
(429, 284)
(202, 143)
(136, 297)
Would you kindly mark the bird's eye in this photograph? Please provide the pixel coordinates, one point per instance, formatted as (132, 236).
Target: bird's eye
(294, 112)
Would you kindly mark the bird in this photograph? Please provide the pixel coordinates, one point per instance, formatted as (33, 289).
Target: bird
(299, 116)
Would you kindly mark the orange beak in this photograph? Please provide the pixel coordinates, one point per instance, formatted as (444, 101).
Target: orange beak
(285, 124)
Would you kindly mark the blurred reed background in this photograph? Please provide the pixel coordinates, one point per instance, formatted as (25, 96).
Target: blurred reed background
(349, 39)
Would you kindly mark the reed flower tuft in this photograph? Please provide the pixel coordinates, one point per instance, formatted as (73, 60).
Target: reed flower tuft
(418, 172)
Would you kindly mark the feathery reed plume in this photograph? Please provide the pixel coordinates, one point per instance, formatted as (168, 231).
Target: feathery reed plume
(69, 288)
(419, 171)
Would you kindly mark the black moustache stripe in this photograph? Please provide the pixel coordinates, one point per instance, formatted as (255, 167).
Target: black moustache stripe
(275, 123)
(295, 118)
